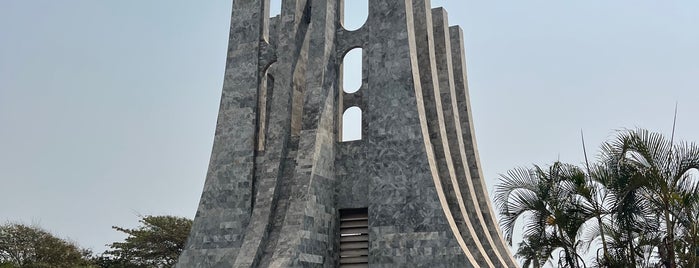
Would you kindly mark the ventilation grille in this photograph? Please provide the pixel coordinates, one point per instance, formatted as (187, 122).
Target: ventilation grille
(354, 238)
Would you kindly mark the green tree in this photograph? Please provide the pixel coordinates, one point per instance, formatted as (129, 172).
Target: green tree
(641, 201)
(158, 242)
(29, 246)
(689, 229)
(545, 199)
(659, 170)
(630, 219)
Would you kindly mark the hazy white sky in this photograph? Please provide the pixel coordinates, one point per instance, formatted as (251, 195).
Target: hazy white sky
(108, 108)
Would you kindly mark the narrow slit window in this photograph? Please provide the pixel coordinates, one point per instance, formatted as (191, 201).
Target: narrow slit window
(356, 14)
(354, 238)
(352, 71)
(352, 124)
(264, 100)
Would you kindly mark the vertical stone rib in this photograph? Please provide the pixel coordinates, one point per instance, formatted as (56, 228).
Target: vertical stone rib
(224, 209)
(308, 241)
(409, 222)
(468, 197)
(437, 131)
(289, 73)
(466, 119)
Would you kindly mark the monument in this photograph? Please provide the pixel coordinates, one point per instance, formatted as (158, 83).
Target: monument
(284, 190)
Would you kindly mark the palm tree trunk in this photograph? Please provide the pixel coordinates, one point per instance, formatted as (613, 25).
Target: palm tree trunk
(604, 240)
(670, 241)
(694, 247)
(632, 250)
(569, 258)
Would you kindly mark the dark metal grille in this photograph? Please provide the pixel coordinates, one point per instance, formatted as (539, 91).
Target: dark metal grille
(354, 238)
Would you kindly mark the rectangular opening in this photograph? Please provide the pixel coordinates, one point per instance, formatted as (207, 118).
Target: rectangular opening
(354, 238)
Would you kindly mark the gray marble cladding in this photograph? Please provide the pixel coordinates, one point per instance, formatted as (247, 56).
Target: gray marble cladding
(279, 172)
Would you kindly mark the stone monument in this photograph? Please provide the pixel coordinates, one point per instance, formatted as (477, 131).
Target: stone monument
(284, 190)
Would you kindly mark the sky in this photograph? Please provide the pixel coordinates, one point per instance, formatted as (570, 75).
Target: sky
(108, 108)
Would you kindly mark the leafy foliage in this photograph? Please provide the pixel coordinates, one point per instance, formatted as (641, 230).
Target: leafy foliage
(28, 246)
(158, 242)
(639, 205)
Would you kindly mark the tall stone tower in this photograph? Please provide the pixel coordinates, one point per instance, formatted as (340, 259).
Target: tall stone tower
(284, 190)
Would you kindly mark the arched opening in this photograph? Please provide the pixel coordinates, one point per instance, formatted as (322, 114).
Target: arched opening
(352, 124)
(355, 14)
(352, 71)
(275, 7)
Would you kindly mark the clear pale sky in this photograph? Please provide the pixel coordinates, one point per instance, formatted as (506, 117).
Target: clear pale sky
(108, 108)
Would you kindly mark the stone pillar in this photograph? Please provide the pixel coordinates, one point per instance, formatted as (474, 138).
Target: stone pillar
(225, 206)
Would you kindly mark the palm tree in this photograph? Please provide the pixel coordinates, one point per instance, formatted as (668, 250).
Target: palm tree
(535, 251)
(641, 201)
(592, 197)
(651, 170)
(687, 216)
(547, 198)
(627, 212)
